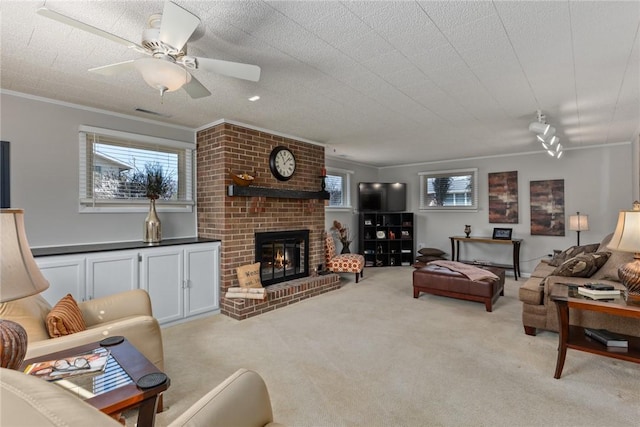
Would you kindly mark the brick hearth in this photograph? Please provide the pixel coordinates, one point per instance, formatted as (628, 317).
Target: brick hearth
(234, 220)
(280, 295)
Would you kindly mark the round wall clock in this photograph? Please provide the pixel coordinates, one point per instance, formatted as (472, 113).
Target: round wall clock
(282, 163)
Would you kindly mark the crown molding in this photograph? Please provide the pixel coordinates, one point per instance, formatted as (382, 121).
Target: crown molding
(92, 109)
(495, 156)
(259, 129)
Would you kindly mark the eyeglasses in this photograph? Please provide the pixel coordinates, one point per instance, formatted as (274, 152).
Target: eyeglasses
(75, 365)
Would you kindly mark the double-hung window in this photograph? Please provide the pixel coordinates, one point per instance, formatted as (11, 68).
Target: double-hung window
(338, 184)
(111, 161)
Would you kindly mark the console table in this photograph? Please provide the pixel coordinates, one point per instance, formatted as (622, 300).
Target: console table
(571, 336)
(515, 243)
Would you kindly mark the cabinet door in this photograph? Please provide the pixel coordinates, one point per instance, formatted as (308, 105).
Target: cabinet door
(162, 273)
(66, 275)
(202, 266)
(109, 273)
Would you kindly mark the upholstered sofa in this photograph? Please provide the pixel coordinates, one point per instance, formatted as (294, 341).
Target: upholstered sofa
(539, 311)
(241, 400)
(126, 313)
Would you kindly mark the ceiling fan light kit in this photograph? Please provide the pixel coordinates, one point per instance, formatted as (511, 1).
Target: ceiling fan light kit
(164, 75)
(165, 41)
(546, 135)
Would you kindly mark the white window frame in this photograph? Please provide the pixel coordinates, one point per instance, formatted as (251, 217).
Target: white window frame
(424, 176)
(346, 188)
(87, 204)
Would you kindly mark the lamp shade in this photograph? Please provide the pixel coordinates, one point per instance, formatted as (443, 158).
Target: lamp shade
(19, 274)
(579, 222)
(626, 237)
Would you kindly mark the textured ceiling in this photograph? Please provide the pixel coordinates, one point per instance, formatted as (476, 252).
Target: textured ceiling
(380, 83)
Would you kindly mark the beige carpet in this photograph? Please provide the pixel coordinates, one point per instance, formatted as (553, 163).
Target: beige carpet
(370, 354)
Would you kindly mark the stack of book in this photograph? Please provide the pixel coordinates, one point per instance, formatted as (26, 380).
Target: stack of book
(607, 338)
(599, 291)
(249, 293)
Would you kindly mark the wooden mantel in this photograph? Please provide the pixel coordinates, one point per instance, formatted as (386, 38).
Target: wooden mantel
(250, 191)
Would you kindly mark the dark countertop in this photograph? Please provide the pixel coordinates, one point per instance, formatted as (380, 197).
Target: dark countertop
(117, 246)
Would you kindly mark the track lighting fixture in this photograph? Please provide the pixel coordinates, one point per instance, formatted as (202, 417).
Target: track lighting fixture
(546, 135)
(541, 128)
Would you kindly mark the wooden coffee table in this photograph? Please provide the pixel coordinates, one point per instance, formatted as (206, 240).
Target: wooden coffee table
(115, 390)
(572, 336)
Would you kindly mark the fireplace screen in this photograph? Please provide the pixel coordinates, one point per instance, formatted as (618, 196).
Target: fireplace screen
(283, 255)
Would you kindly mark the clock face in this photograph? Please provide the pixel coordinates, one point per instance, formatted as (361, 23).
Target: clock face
(282, 163)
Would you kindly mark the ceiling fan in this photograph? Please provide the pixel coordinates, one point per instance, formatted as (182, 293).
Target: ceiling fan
(165, 41)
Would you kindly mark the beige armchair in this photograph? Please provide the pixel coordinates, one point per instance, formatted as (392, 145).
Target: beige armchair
(242, 400)
(126, 313)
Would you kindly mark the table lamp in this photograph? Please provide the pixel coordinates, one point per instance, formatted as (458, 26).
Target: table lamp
(579, 223)
(626, 238)
(19, 277)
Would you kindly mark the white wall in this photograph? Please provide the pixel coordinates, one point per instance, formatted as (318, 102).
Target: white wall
(349, 217)
(44, 173)
(598, 182)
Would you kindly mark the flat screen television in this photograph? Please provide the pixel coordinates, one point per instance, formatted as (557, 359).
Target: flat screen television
(382, 197)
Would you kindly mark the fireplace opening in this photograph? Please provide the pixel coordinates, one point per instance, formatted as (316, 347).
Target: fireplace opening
(283, 255)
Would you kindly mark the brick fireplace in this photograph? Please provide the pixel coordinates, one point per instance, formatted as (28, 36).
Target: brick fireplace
(229, 147)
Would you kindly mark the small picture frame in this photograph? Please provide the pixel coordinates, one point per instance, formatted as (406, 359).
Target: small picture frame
(502, 233)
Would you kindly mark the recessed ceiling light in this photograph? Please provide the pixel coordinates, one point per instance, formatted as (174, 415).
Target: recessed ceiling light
(254, 98)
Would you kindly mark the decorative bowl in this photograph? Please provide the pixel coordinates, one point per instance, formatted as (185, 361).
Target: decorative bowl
(243, 179)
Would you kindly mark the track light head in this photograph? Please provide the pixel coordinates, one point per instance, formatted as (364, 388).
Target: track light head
(540, 128)
(549, 132)
(546, 135)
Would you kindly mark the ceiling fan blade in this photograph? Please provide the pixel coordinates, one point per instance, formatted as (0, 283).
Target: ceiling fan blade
(195, 89)
(231, 69)
(86, 27)
(112, 69)
(177, 25)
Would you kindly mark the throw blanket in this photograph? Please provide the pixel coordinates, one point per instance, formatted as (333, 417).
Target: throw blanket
(475, 274)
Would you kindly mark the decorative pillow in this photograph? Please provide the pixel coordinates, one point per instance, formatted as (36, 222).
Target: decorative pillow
(249, 276)
(583, 265)
(65, 318)
(428, 258)
(609, 271)
(604, 243)
(431, 252)
(572, 252)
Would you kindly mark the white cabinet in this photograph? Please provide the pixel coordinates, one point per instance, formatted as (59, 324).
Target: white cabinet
(111, 272)
(182, 280)
(162, 275)
(66, 275)
(202, 278)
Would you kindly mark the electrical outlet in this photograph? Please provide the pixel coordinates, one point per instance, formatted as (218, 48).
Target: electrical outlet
(421, 245)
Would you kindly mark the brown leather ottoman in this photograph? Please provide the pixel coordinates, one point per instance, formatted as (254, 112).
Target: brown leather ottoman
(438, 280)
